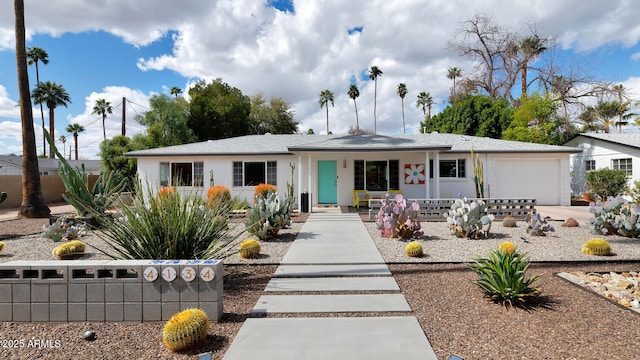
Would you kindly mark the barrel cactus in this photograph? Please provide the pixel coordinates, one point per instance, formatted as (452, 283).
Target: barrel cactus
(509, 222)
(413, 249)
(598, 247)
(186, 330)
(69, 250)
(249, 249)
(507, 247)
(219, 196)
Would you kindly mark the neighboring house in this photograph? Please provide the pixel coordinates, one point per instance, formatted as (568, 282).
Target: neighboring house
(330, 167)
(12, 165)
(613, 151)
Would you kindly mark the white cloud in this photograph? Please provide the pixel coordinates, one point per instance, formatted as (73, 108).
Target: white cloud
(296, 55)
(8, 107)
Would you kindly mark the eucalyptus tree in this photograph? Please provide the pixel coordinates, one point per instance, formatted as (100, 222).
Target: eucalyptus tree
(402, 92)
(353, 94)
(33, 204)
(37, 55)
(326, 97)
(75, 129)
(453, 73)
(374, 74)
(53, 95)
(103, 107)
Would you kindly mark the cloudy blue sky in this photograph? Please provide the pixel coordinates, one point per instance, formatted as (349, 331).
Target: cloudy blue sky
(134, 49)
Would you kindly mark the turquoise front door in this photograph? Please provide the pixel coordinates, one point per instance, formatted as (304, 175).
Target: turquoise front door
(327, 182)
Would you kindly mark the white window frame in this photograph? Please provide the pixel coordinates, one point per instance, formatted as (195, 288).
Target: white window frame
(239, 169)
(167, 175)
(627, 167)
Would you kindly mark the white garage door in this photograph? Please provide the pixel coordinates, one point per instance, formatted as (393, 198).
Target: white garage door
(528, 178)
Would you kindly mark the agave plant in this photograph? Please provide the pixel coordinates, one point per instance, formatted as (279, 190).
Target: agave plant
(501, 276)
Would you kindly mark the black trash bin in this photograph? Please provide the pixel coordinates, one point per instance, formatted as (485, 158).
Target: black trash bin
(304, 202)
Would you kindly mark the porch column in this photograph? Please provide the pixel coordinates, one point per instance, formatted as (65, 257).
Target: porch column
(309, 184)
(300, 181)
(436, 174)
(426, 171)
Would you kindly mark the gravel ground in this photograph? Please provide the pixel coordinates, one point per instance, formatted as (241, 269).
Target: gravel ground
(571, 323)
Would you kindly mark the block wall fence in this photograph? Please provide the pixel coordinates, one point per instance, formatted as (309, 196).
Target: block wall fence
(108, 290)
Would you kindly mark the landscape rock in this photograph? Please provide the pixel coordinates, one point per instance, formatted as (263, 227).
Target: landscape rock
(570, 222)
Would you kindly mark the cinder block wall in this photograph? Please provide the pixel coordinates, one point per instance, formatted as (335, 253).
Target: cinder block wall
(104, 290)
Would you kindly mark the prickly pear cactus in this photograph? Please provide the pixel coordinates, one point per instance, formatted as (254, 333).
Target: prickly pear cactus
(249, 249)
(268, 216)
(598, 247)
(538, 225)
(69, 250)
(469, 219)
(413, 249)
(397, 219)
(615, 216)
(186, 330)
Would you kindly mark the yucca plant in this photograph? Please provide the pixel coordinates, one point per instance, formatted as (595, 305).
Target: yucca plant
(501, 276)
(172, 226)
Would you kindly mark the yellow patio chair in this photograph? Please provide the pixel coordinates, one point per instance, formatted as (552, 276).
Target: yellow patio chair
(360, 196)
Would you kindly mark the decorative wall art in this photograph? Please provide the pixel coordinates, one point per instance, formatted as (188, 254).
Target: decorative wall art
(414, 174)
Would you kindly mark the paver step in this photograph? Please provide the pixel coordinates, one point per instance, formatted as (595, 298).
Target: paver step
(378, 283)
(283, 304)
(369, 338)
(332, 270)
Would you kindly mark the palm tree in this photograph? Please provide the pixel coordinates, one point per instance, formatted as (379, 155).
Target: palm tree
(75, 129)
(33, 204)
(453, 73)
(374, 74)
(35, 55)
(353, 94)
(425, 101)
(63, 140)
(531, 47)
(402, 92)
(103, 107)
(326, 97)
(52, 95)
(176, 91)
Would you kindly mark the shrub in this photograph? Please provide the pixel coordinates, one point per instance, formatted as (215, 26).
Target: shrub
(69, 250)
(249, 249)
(538, 225)
(413, 249)
(169, 226)
(268, 216)
(239, 204)
(598, 247)
(396, 219)
(64, 228)
(469, 219)
(186, 330)
(501, 276)
(219, 195)
(615, 216)
(606, 182)
(262, 190)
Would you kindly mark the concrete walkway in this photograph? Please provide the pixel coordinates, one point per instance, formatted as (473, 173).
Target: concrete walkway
(332, 267)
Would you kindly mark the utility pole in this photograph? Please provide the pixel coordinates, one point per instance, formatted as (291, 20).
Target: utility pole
(124, 116)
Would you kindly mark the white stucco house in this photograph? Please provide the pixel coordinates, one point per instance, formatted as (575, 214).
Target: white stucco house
(12, 165)
(600, 150)
(330, 167)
